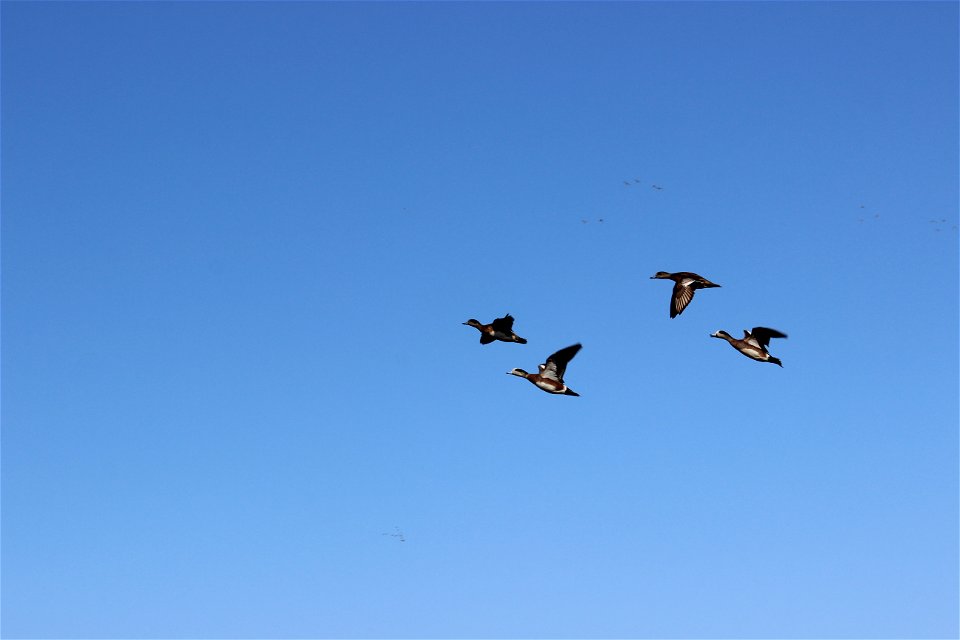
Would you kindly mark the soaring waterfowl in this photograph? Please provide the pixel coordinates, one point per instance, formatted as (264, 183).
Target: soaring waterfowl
(550, 377)
(500, 329)
(686, 284)
(754, 343)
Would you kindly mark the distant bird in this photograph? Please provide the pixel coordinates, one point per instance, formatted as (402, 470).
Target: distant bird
(754, 343)
(657, 187)
(398, 535)
(600, 220)
(686, 284)
(500, 329)
(626, 183)
(550, 377)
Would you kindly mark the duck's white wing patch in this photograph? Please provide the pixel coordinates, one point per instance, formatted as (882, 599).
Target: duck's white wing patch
(549, 370)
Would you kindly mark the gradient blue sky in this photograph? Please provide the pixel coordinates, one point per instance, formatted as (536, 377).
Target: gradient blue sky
(239, 241)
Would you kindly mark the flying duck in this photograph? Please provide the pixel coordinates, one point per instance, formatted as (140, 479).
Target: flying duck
(754, 343)
(500, 329)
(686, 284)
(550, 377)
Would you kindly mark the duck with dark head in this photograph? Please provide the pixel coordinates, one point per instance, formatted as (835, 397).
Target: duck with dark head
(500, 329)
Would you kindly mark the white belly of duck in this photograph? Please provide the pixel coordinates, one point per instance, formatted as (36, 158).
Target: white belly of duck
(550, 386)
(753, 352)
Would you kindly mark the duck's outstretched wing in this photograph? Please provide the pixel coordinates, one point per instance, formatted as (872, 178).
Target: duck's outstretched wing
(763, 334)
(556, 364)
(504, 324)
(681, 297)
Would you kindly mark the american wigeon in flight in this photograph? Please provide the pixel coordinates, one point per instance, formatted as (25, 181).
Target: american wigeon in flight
(500, 329)
(685, 284)
(550, 377)
(754, 343)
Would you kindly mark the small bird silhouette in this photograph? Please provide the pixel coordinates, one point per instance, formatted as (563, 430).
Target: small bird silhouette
(398, 535)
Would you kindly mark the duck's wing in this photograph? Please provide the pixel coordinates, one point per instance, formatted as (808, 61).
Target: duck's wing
(549, 370)
(762, 335)
(556, 364)
(681, 297)
(504, 324)
(486, 338)
(702, 283)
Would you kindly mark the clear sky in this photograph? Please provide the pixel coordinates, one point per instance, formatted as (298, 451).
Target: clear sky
(239, 241)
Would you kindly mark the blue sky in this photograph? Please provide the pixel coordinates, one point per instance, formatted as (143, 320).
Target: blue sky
(239, 241)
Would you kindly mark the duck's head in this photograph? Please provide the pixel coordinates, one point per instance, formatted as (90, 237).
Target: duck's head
(721, 334)
(660, 274)
(518, 372)
(473, 323)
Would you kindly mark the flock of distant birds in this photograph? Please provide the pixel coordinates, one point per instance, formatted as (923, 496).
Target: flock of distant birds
(398, 535)
(940, 223)
(549, 376)
(627, 183)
